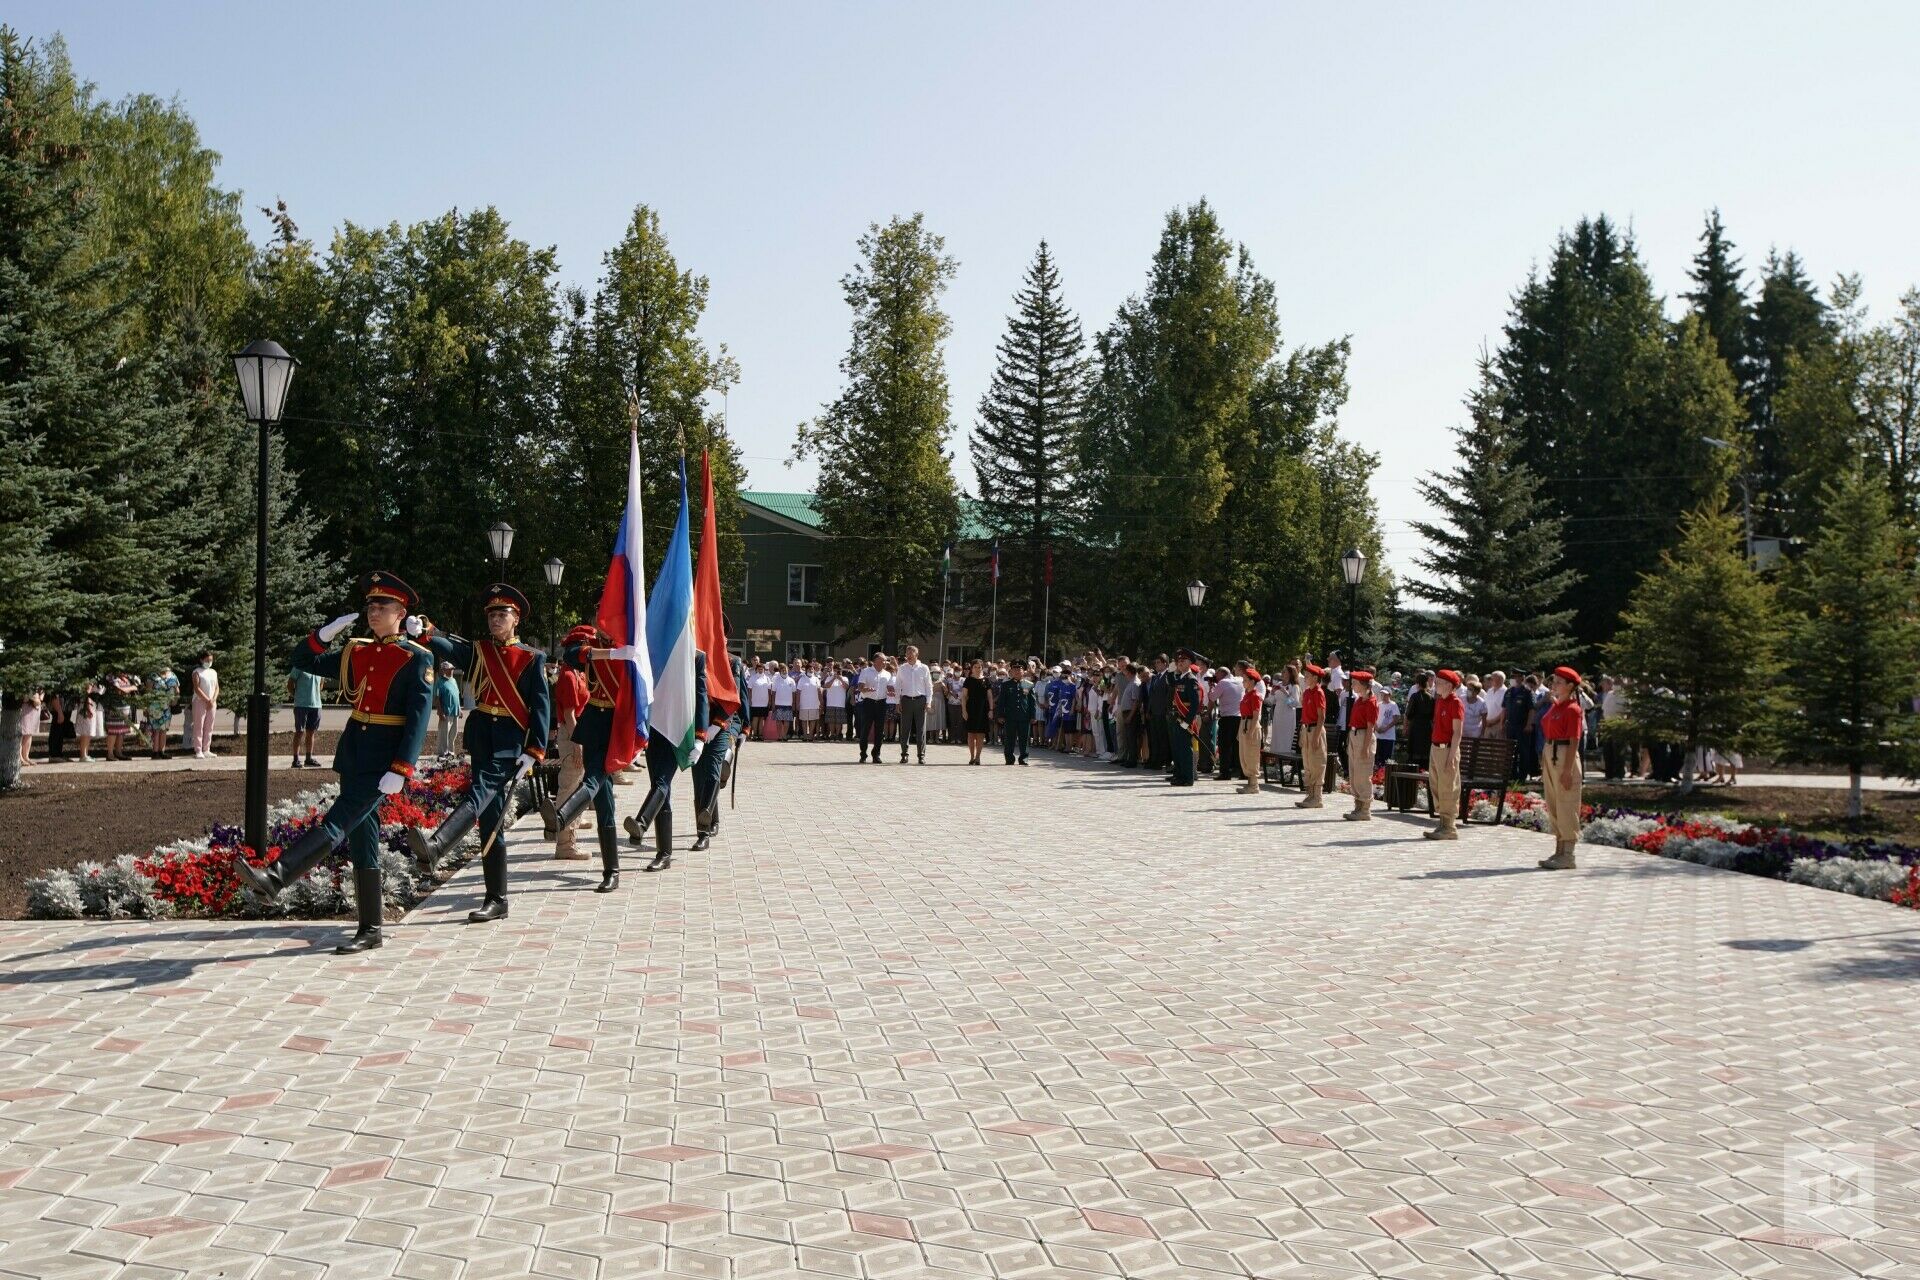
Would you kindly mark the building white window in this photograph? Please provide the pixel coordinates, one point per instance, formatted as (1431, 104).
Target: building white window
(803, 584)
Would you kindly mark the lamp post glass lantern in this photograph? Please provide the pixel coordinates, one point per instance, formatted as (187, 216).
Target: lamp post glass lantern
(265, 373)
(556, 569)
(500, 539)
(1353, 566)
(1196, 593)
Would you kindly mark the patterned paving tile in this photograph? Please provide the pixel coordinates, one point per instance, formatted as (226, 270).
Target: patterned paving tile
(1052, 1022)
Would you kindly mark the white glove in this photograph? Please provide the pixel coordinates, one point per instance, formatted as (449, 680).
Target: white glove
(334, 628)
(413, 625)
(391, 783)
(699, 745)
(524, 764)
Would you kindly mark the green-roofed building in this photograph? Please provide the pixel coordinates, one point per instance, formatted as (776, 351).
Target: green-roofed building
(780, 616)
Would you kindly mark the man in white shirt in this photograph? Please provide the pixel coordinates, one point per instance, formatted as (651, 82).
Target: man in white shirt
(1225, 697)
(206, 696)
(1494, 724)
(914, 684)
(870, 713)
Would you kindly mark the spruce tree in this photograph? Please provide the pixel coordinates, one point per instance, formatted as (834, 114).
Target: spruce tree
(1789, 323)
(1611, 403)
(1498, 578)
(1031, 496)
(1699, 641)
(1855, 639)
(886, 495)
(81, 427)
(1719, 295)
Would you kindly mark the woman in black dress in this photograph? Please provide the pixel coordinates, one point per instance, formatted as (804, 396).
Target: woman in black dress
(974, 709)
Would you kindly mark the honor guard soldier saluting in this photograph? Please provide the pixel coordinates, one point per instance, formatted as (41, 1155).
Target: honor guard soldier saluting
(1443, 760)
(715, 765)
(585, 650)
(390, 679)
(1563, 726)
(1313, 737)
(1363, 720)
(506, 737)
(1185, 716)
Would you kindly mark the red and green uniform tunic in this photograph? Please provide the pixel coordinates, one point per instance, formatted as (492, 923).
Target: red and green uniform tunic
(391, 684)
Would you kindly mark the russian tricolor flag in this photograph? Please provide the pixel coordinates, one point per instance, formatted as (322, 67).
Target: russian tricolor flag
(671, 640)
(623, 617)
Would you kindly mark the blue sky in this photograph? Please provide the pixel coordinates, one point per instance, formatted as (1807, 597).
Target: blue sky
(1395, 169)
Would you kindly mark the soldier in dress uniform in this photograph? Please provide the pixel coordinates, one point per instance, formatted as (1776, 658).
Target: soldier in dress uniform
(1363, 721)
(585, 650)
(506, 737)
(390, 679)
(663, 762)
(1560, 770)
(1184, 729)
(1313, 737)
(1443, 760)
(715, 765)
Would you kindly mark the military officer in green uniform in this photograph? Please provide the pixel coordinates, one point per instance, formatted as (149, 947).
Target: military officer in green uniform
(390, 679)
(1184, 726)
(506, 736)
(715, 765)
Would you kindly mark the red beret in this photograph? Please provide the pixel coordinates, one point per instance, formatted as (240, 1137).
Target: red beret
(1363, 675)
(1568, 674)
(1314, 669)
(1451, 676)
(581, 634)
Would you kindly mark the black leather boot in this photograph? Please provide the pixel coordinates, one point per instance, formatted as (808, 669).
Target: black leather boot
(705, 824)
(635, 832)
(431, 846)
(293, 863)
(662, 843)
(567, 812)
(369, 905)
(494, 868)
(609, 861)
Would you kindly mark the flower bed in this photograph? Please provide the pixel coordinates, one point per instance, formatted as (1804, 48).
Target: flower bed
(196, 877)
(1869, 869)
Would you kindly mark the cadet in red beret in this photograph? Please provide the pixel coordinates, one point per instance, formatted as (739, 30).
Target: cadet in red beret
(1363, 721)
(1562, 727)
(1313, 738)
(1443, 759)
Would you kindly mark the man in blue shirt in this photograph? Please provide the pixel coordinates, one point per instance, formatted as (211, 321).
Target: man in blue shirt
(306, 687)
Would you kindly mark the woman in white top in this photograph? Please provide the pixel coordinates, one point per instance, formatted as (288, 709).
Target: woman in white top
(759, 699)
(1097, 719)
(1474, 723)
(833, 692)
(806, 702)
(783, 691)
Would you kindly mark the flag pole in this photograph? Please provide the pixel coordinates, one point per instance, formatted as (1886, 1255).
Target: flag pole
(993, 631)
(946, 576)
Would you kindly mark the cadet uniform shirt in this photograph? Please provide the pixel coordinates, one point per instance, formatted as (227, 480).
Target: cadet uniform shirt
(1447, 712)
(1366, 713)
(1563, 722)
(1313, 706)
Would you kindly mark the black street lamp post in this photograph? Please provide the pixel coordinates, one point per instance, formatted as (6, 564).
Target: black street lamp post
(500, 541)
(556, 568)
(265, 371)
(1353, 566)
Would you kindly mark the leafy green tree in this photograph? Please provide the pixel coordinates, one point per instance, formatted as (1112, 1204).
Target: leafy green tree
(1208, 456)
(1719, 295)
(1497, 573)
(1699, 641)
(1855, 639)
(886, 494)
(1889, 400)
(1611, 404)
(636, 345)
(426, 403)
(1024, 447)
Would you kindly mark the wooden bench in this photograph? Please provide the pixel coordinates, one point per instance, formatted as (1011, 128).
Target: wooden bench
(1486, 764)
(1275, 764)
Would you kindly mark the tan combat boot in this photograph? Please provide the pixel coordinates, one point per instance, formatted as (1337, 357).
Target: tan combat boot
(1562, 859)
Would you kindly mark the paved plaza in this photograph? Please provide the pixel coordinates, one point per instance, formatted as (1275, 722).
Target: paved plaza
(1060, 1021)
